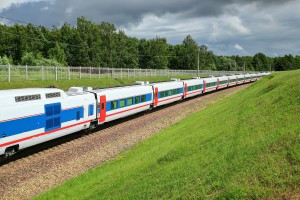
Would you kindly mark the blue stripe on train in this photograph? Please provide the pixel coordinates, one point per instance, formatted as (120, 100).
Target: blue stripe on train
(18, 126)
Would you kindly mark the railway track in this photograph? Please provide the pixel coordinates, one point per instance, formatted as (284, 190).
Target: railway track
(35, 170)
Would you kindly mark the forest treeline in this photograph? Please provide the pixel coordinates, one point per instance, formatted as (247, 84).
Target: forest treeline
(102, 45)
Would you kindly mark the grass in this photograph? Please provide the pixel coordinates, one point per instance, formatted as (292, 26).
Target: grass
(246, 146)
(66, 84)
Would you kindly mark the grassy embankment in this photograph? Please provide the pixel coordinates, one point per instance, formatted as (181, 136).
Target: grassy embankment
(66, 84)
(245, 146)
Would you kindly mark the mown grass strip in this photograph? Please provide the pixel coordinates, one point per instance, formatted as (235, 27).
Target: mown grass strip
(243, 147)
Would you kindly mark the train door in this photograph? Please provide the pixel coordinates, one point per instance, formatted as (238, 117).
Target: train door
(155, 96)
(102, 108)
(204, 86)
(185, 90)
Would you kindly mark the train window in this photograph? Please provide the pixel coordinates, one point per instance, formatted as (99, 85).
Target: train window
(143, 98)
(137, 100)
(113, 105)
(122, 103)
(52, 113)
(91, 109)
(166, 93)
(56, 122)
(49, 123)
(56, 109)
(178, 91)
(77, 115)
(162, 94)
(49, 111)
(129, 102)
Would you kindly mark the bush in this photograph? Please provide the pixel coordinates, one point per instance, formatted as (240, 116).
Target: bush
(38, 60)
(5, 60)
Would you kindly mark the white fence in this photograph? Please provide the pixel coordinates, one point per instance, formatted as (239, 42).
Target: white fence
(10, 73)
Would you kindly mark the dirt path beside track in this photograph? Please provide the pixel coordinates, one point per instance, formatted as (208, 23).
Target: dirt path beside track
(37, 173)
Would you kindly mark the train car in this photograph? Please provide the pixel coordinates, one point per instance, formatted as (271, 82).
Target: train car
(259, 75)
(167, 92)
(233, 80)
(223, 82)
(253, 77)
(33, 116)
(192, 87)
(247, 78)
(119, 102)
(241, 79)
(210, 84)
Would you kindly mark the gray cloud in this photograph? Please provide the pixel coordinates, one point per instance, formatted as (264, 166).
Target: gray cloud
(256, 25)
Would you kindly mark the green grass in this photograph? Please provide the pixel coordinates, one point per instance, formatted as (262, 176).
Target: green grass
(66, 84)
(246, 146)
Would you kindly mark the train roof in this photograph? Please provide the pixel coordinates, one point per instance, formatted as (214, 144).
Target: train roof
(10, 97)
(28, 91)
(117, 87)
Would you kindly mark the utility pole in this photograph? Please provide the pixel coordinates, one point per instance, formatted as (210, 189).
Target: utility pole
(198, 63)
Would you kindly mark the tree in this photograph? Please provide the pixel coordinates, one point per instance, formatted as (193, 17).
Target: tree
(57, 53)
(189, 53)
(260, 62)
(154, 53)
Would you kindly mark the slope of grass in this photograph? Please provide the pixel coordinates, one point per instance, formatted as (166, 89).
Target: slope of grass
(66, 84)
(245, 147)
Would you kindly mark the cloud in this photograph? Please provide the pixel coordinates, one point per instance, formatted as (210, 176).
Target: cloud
(256, 25)
(6, 4)
(238, 47)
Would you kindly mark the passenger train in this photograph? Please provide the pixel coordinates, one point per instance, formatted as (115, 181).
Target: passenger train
(33, 116)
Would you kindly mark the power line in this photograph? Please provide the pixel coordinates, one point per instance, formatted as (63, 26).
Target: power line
(37, 39)
(15, 20)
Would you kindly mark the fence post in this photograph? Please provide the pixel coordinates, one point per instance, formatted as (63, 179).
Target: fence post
(121, 73)
(56, 73)
(127, 72)
(8, 72)
(69, 75)
(42, 72)
(134, 72)
(26, 72)
(90, 72)
(99, 71)
(79, 72)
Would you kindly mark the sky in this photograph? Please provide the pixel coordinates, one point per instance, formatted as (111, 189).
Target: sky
(227, 27)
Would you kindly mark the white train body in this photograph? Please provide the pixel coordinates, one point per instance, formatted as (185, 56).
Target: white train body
(210, 84)
(233, 80)
(119, 102)
(223, 82)
(32, 116)
(241, 79)
(192, 87)
(167, 92)
(247, 78)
